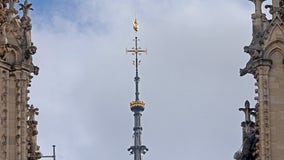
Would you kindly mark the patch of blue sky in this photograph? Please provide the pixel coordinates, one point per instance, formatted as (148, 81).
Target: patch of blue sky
(45, 13)
(41, 5)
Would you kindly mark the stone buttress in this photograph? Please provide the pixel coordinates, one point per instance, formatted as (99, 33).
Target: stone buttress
(266, 64)
(18, 129)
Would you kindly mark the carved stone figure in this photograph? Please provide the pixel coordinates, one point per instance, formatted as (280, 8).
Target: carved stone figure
(248, 147)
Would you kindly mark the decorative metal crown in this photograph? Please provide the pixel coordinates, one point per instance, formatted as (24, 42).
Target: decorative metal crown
(137, 103)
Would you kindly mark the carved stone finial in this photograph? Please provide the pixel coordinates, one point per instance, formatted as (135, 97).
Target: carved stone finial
(26, 20)
(26, 7)
(248, 111)
(258, 5)
(12, 4)
(247, 104)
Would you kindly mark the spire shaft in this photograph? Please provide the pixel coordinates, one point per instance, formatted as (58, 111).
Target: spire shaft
(137, 78)
(136, 51)
(137, 106)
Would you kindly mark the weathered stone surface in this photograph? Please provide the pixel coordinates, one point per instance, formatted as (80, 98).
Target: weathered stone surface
(17, 118)
(267, 66)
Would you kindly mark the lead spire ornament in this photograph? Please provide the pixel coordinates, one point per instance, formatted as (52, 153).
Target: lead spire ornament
(137, 106)
(135, 25)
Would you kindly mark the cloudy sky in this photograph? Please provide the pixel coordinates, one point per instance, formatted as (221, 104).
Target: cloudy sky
(189, 78)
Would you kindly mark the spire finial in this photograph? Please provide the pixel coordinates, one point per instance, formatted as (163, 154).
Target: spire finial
(248, 111)
(136, 51)
(135, 25)
(26, 7)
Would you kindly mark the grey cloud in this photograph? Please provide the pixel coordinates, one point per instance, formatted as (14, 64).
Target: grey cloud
(189, 79)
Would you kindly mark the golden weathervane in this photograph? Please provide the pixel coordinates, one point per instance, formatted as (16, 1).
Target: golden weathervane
(135, 25)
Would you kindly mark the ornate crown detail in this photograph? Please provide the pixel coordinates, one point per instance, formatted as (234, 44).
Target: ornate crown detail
(137, 103)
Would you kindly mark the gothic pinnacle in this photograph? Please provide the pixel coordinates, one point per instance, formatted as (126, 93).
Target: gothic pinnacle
(258, 6)
(26, 7)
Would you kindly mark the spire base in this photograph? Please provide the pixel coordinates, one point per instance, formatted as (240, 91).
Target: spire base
(142, 149)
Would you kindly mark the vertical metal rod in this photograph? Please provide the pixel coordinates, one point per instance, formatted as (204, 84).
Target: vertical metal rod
(53, 153)
(53, 149)
(136, 65)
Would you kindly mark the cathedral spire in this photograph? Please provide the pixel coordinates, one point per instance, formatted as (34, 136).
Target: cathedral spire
(137, 106)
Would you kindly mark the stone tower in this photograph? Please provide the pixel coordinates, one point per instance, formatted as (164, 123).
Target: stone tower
(264, 138)
(17, 117)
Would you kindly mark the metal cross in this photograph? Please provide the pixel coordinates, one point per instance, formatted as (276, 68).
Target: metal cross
(136, 51)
